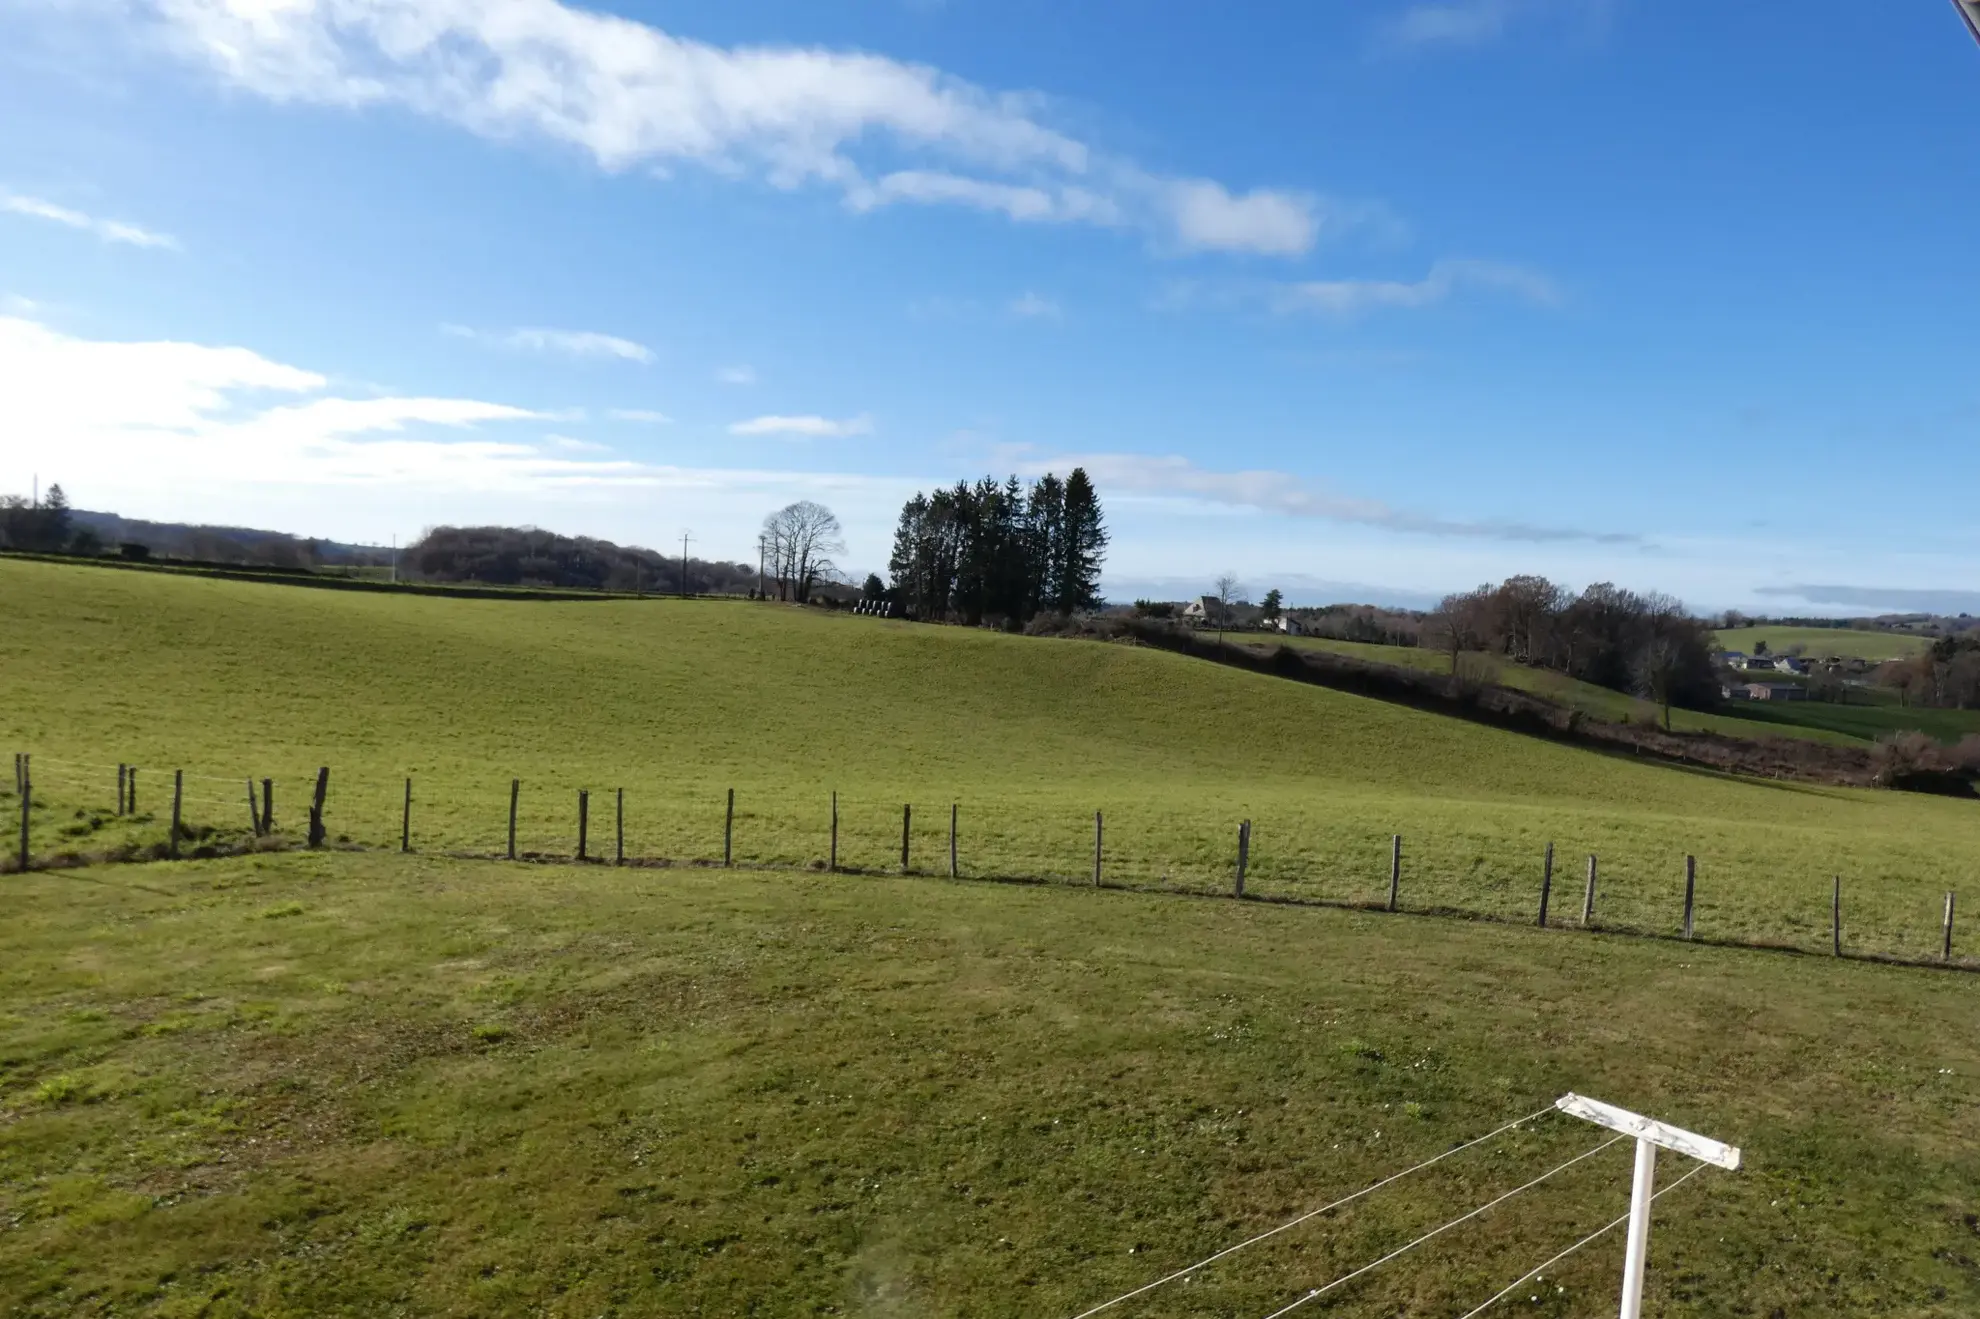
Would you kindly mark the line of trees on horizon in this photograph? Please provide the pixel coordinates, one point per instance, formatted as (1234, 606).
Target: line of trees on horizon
(1000, 552)
(1639, 642)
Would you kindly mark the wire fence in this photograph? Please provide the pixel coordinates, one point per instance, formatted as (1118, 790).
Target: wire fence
(100, 810)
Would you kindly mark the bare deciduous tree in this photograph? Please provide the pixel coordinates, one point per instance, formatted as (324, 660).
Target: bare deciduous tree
(800, 540)
(1228, 588)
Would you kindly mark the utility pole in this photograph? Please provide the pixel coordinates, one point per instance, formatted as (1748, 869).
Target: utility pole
(685, 538)
(1650, 1134)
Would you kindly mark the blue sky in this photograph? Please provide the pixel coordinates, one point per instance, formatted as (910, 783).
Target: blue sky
(1358, 300)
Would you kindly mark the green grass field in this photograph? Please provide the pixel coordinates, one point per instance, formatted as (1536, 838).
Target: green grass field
(366, 1085)
(677, 702)
(1822, 641)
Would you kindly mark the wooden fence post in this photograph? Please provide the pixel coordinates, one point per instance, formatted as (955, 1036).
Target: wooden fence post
(178, 791)
(1546, 884)
(584, 822)
(1096, 849)
(1395, 870)
(515, 790)
(316, 829)
(729, 830)
(832, 857)
(1945, 954)
(907, 814)
(268, 806)
(120, 787)
(405, 821)
(1835, 917)
(1588, 898)
(619, 826)
(254, 813)
(130, 792)
(954, 808)
(27, 804)
(1690, 888)
(1244, 854)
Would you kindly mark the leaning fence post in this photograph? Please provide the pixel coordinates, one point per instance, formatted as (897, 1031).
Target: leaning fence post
(1546, 884)
(1395, 870)
(832, 857)
(405, 821)
(254, 815)
(267, 805)
(1588, 898)
(619, 826)
(729, 830)
(954, 807)
(1836, 915)
(907, 814)
(1690, 887)
(178, 791)
(584, 821)
(1945, 954)
(316, 830)
(1244, 854)
(1096, 849)
(515, 790)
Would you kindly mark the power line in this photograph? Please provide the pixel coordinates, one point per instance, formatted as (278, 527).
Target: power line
(1473, 1314)
(1345, 1278)
(1232, 1250)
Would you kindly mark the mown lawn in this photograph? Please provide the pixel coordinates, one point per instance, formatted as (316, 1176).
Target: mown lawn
(678, 702)
(364, 1084)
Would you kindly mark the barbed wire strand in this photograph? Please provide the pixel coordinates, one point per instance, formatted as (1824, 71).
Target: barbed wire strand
(1345, 1278)
(1311, 1214)
(1599, 1232)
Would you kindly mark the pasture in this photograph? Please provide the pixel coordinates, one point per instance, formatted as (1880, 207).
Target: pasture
(1847, 643)
(677, 702)
(365, 1084)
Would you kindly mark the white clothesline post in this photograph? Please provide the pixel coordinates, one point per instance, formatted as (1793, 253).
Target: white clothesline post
(1650, 1134)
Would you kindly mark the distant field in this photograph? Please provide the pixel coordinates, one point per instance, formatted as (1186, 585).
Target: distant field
(373, 1085)
(1825, 641)
(677, 702)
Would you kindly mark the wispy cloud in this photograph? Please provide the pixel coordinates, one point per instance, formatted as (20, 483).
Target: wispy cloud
(1462, 23)
(645, 416)
(632, 95)
(569, 343)
(1032, 305)
(1288, 495)
(1349, 297)
(1881, 599)
(571, 444)
(736, 375)
(110, 231)
(805, 427)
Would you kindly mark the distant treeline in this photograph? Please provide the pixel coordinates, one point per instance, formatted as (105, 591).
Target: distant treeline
(527, 556)
(1947, 676)
(1642, 643)
(49, 526)
(1000, 552)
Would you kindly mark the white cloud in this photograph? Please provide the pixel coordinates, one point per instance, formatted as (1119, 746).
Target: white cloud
(645, 416)
(110, 231)
(570, 343)
(1031, 305)
(571, 444)
(736, 375)
(631, 95)
(1348, 297)
(806, 427)
(1459, 23)
(1287, 495)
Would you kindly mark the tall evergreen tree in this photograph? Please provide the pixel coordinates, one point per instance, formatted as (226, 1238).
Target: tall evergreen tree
(991, 551)
(1085, 535)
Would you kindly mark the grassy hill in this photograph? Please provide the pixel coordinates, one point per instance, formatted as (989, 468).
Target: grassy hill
(366, 1084)
(1821, 641)
(677, 702)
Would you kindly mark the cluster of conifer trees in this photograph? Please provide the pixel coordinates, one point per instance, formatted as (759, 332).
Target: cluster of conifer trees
(1000, 552)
